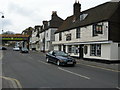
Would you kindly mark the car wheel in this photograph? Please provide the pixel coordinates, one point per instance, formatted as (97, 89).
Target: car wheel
(58, 63)
(47, 60)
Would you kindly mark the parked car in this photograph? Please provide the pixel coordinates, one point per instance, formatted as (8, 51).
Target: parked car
(3, 48)
(60, 58)
(16, 49)
(24, 50)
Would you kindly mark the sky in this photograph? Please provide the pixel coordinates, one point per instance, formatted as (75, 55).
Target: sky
(21, 14)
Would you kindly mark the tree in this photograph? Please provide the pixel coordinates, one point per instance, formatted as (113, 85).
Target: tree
(8, 32)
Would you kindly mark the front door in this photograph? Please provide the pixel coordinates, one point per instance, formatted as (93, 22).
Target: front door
(64, 48)
(81, 51)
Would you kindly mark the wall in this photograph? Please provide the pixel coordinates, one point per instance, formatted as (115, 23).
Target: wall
(108, 52)
(86, 35)
(114, 51)
(118, 53)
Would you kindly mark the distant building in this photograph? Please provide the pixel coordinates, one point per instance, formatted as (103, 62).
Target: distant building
(42, 36)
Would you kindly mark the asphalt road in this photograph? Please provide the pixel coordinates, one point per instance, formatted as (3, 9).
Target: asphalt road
(32, 71)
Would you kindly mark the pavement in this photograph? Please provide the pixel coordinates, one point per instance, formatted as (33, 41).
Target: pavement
(114, 67)
(10, 83)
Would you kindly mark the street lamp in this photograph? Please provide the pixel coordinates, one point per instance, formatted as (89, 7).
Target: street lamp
(2, 18)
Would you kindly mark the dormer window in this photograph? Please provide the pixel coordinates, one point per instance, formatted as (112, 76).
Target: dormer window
(83, 16)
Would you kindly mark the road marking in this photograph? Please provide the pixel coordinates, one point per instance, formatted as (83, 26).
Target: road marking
(14, 81)
(73, 73)
(43, 62)
(118, 88)
(99, 67)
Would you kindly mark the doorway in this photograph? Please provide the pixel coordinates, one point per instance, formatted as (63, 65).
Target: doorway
(81, 51)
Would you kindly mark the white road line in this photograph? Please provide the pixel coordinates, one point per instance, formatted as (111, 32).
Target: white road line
(118, 88)
(73, 73)
(43, 62)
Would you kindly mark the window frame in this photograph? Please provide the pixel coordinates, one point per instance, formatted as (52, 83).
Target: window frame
(97, 29)
(68, 37)
(95, 50)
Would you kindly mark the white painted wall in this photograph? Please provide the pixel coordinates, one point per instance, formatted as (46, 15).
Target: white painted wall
(108, 52)
(86, 35)
(114, 51)
(118, 53)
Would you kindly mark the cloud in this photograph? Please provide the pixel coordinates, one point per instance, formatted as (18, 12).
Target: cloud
(7, 22)
(21, 14)
(17, 9)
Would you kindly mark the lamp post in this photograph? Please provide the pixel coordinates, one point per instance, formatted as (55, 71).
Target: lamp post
(2, 18)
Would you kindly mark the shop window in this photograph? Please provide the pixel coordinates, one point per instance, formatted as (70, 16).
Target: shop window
(95, 50)
(76, 50)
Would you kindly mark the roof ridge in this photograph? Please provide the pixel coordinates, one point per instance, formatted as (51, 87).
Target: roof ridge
(98, 6)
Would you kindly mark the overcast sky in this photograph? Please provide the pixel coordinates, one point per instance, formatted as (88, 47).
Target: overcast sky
(21, 14)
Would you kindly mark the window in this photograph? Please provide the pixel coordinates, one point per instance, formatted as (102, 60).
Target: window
(69, 49)
(78, 33)
(76, 50)
(83, 16)
(97, 29)
(95, 50)
(68, 37)
(60, 36)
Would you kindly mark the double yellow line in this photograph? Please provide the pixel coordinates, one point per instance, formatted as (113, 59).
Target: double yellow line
(15, 82)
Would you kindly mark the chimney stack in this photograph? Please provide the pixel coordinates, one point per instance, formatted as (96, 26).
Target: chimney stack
(45, 23)
(76, 9)
(54, 13)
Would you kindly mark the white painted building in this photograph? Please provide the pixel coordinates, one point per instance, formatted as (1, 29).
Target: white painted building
(34, 39)
(47, 34)
(91, 34)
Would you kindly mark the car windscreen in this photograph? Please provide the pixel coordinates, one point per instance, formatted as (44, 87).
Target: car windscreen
(24, 49)
(60, 53)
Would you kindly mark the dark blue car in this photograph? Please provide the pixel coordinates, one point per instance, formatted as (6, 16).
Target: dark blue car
(60, 58)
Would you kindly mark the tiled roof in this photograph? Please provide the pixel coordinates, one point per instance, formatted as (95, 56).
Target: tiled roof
(99, 13)
(55, 22)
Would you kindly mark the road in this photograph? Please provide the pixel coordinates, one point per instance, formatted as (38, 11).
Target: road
(32, 71)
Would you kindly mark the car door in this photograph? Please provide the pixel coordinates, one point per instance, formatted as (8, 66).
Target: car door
(53, 57)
